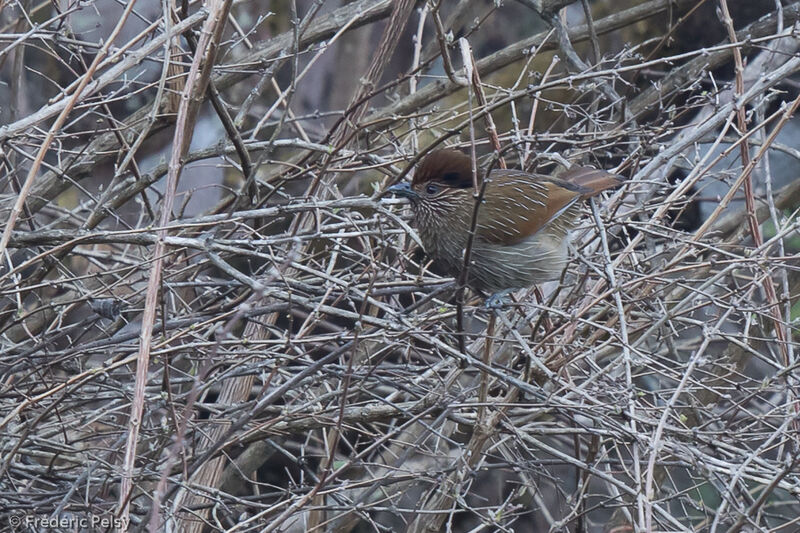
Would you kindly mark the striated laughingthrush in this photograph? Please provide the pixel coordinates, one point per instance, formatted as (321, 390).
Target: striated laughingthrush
(522, 223)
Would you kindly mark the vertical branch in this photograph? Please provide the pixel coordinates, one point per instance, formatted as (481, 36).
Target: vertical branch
(749, 196)
(412, 83)
(401, 10)
(192, 97)
(441, 38)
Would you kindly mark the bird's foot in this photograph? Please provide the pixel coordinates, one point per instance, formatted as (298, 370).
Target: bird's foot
(497, 300)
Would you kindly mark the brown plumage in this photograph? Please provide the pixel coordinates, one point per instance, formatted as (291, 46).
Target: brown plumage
(522, 225)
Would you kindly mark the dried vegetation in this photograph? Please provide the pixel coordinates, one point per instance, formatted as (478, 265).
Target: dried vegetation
(212, 320)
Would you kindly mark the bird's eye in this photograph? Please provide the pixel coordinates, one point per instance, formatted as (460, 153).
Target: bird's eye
(432, 189)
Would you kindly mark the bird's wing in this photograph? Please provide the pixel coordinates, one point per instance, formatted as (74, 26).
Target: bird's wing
(518, 205)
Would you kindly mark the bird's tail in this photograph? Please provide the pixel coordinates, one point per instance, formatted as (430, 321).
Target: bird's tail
(591, 181)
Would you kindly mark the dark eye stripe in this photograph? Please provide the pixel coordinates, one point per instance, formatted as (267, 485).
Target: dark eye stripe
(457, 179)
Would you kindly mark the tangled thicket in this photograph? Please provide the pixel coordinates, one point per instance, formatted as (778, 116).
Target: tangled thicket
(213, 320)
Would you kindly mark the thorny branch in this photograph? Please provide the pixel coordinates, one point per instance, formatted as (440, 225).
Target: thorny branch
(274, 351)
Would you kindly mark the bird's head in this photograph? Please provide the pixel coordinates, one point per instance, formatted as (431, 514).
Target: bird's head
(441, 177)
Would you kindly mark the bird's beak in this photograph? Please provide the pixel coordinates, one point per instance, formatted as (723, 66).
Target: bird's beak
(403, 189)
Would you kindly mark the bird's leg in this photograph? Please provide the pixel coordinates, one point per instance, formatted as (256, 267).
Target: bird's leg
(498, 299)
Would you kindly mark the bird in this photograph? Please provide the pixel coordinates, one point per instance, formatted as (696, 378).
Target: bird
(522, 223)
